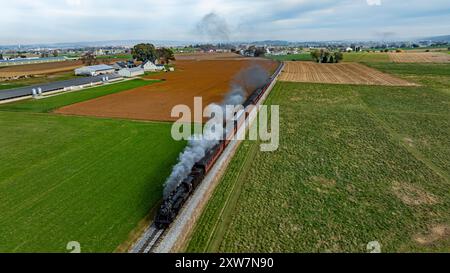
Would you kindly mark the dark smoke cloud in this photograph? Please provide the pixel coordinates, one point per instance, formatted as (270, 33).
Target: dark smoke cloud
(214, 27)
(384, 35)
(252, 77)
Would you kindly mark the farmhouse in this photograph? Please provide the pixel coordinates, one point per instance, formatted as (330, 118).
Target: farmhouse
(131, 72)
(150, 66)
(94, 70)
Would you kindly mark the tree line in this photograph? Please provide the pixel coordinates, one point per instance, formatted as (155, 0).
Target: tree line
(325, 56)
(148, 52)
(140, 52)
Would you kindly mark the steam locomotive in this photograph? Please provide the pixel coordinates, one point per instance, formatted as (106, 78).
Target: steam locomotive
(174, 202)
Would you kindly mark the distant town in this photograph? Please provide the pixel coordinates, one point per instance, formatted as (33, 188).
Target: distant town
(27, 54)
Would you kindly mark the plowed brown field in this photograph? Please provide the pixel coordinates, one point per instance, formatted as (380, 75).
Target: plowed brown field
(208, 56)
(344, 73)
(38, 69)
(207, 79)
(425, 57)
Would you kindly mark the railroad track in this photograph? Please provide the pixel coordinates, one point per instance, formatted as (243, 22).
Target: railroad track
(149, 240)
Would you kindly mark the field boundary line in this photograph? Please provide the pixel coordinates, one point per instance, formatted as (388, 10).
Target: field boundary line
(223, 219)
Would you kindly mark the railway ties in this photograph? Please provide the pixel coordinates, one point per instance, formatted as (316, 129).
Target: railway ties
(149, 240)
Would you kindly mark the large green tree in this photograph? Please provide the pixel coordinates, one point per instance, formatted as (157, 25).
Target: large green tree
(325, 56)
(144, 52)
(165, 55)
(316, 55)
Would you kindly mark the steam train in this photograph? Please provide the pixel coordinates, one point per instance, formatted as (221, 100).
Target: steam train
(174, 202)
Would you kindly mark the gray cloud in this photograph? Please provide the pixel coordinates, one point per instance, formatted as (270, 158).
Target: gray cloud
(26, 21)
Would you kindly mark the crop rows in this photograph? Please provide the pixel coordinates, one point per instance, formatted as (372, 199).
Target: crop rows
(345, 73)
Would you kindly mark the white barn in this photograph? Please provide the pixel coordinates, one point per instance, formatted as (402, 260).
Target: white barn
(131, 72)
(150, 66)
(94, 70)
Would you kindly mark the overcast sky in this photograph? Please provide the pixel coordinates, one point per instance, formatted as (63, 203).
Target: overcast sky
(45, 21)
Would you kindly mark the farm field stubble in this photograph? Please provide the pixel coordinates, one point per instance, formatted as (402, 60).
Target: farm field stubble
(342, 73)
(355, 164)
(424, 57)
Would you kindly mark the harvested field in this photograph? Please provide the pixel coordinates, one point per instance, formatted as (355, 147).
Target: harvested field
(207, 79)
(208, 56)
(366, 57)
(344, 73)
(38, 69)
(426, 57)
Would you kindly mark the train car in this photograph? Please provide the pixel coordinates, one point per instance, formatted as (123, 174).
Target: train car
(207, 162)
(228, 136)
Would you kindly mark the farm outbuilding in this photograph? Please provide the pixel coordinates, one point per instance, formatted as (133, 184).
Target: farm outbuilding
(131, 72)
(119, 65)
(151, 67)
(94, 70)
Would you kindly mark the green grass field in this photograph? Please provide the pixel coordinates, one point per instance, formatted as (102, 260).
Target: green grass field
(116, 56)
(78, 179)
(51, 103)
(355, 164)
(81, 179)
(367, 57)
(291, 57)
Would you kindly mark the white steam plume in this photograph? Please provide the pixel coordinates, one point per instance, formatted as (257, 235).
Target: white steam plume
(248, 79)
